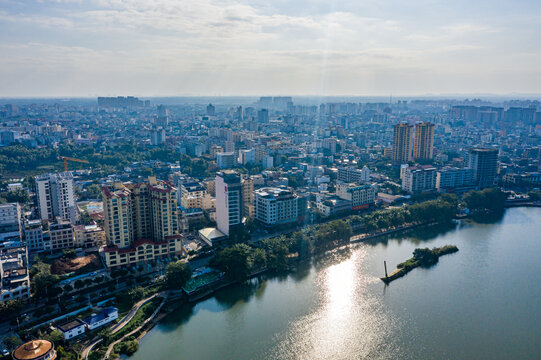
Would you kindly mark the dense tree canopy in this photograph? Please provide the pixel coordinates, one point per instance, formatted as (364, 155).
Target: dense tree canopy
(177, 274)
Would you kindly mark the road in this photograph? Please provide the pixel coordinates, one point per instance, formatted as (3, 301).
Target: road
(120, 325)
(112, 345)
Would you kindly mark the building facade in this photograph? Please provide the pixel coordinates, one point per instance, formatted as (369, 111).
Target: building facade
(14, 278)
(10, 222)
(361, 196)
(423, 145)
(274, 206)
(141, 222)
(226, 160)
(62, 235)
(229, 201)
(402, 143)
(455, 180)
(419, 179)
(484, 162)
(56, 196)
(353, 175)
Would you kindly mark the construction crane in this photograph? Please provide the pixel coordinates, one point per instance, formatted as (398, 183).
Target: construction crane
(65, 158)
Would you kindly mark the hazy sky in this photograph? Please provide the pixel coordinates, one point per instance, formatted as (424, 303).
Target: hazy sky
(237, 47)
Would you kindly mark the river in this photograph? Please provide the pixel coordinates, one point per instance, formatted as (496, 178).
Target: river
(483, 302)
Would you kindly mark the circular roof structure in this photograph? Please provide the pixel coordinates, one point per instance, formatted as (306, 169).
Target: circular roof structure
(32, 350)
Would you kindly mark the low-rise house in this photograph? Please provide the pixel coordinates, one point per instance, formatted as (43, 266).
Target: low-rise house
(72, 329)
(101, 318)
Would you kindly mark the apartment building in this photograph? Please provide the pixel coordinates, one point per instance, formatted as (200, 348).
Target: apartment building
(275, 206)
(141, 222)
(361, 196)
(56, 196)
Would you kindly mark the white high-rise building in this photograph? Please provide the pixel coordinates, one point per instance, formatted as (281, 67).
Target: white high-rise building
(419, 179)
(56, 196)
(225, 160)
(246, 156)
(275, 206)
(229, 203)
(361, 196)
(350, 174)
(10, 222)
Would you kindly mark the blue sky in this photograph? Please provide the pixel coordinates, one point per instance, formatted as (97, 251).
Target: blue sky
(236, 47)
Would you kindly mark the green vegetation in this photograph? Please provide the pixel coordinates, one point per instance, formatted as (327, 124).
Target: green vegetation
(10, 308)
(488, 200)
(27, 160)
(12, 342)
(127, 347)
(421, 257)
(440, 210)
(177, 274)
(42, 279)
(236, 261)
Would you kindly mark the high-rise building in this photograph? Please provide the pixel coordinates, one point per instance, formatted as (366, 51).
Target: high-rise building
(274, 206)
(192, 195)
(361, 196)
(214, 150)
(263, 116)
(419, 179)
(157, 137)
(423, 145)
(455, 180)
(141, 222)
(10, 222)
(163, 117)
(402, 143)
(211, 110)
(225, 160)
(246, 156)
(351, 174)
(33, 235)
(248, 197)
(229, 202)
(56, 196)
(484, 162)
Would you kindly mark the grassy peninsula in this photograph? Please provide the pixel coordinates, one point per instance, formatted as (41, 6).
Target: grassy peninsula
(421, 257)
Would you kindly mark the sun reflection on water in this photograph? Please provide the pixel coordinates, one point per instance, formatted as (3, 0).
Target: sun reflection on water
(349, 321)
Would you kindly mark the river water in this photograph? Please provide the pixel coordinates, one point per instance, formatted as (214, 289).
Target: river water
(483, 302)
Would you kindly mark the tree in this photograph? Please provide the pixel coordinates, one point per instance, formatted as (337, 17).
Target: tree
(19, 195)
(301, 244)
(277, 250)
(68, 288)
(10, 308)
(12, 342)
(42, 277)
(106, 335)
(55, 336)
(235, 261)
(177, 274)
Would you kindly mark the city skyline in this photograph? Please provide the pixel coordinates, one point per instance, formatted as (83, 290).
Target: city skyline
(167, 48)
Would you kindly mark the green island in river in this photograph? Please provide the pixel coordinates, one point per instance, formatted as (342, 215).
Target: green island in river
(421, 257)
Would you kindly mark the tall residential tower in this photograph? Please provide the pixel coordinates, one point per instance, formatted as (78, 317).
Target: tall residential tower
(423, 144)
(402, 143)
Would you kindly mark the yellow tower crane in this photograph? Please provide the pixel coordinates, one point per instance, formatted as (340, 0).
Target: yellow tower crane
(65, 158)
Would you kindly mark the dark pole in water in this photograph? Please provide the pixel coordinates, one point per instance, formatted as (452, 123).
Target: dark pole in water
(385, 264)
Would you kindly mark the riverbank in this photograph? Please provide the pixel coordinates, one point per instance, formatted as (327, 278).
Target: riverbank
(421, 257)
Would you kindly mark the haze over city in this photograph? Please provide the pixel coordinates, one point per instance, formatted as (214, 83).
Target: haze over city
(234, 47)
(282, 180)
